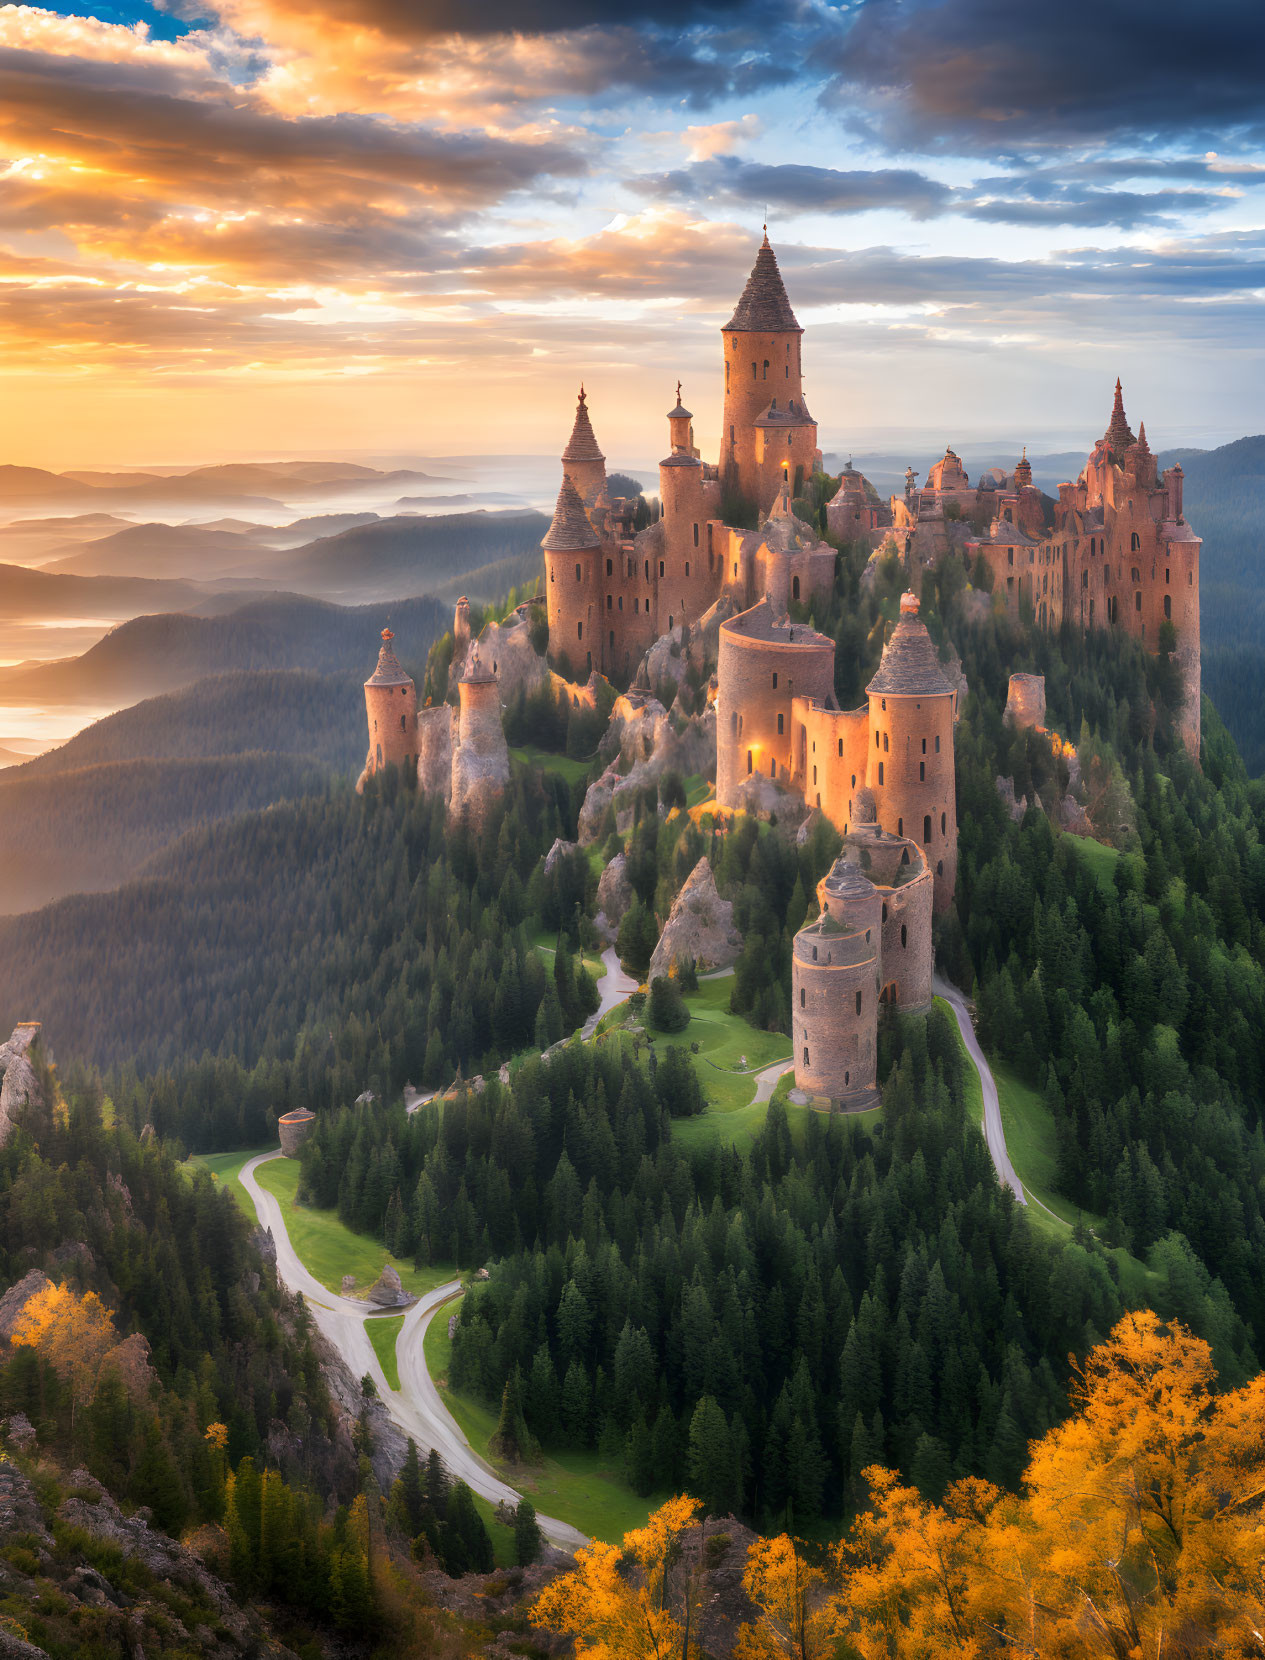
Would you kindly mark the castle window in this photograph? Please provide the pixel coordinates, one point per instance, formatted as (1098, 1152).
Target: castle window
(805, 1057)
(884, 703)
(846, 1077)
(885, 913)
(775, 680)
(1133, 574)
(610, 567)
(766, 368)
(755, 371)
(661, 567)
(1190, 579)
(687, 563)
(815, 776)
(579, 631)
(814, 959)
(731, 434)
(780, 719)
(943, 822)
(876, 740)
(695, 535)
(735, 567)
(636, 605)
(795, 587)
(1166, 574)
(647, 570)
(885, 745)
(924, 746)
(939, 867)
(1091, 610)
(854, 776)
(900, 827)
(621, 602)
(610, 602)
(858, 1002)
(1010, 556)
(1085, 579)
(937, 746)
(926, 828)
(748, 760)
(772, 766)
(669, 622)
(612, 639)
(1135, 542)
(803, 996)
(1137, 600)
(904, 936)
(403, 728)
(375, 726)
(577, 573)
(1168, 606)
(922, 772)
(880, 774)
(1032, 556)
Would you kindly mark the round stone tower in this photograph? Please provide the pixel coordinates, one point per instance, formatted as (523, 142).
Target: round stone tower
(835, 968)
(573, 584)
(690, 576)
(391, 708)
(294, 1128)
(765, 419)
(911, 770)
(480, 760)
(582, 460)
(763, 666)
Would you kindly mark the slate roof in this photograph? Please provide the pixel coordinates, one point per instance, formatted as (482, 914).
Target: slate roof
(1119, 434)
(582, 445)
(570, 530)
(909, 666)
(764, 307)
(388, 671)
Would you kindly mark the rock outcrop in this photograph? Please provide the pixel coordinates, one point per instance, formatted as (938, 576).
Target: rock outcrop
(614, 891)
(700, 927)
(17, 1297)
(19, 1085)
(507, 648)
(387, 1291)
(765, 798)
(559, 850)
(684, 745)
(1025, 700)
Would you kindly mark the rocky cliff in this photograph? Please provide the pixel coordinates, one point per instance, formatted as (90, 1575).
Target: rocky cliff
(19, 1082)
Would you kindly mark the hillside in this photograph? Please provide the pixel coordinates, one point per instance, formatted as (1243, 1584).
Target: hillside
(195, 552)
(86, 830)
(153, 654)
(413, 554)
(278, 711)
(47, 594)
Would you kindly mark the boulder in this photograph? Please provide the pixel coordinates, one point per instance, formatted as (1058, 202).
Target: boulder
(597, 799)
(1073, 817)
(19, 1086)
(349, 1284)
(559, 850)
(1006, 790)
(614, 891)
(130, 1359)
(387, 1290)
(700, 927)
(19, 1432)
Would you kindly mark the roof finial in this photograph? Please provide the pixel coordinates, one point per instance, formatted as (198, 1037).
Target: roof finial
(678, 391)
(581, 391)
(387, 636)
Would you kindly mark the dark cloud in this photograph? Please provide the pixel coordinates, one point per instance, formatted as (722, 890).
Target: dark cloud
(1123, 208)
(800, 188)
(409, 20)
(944, 75)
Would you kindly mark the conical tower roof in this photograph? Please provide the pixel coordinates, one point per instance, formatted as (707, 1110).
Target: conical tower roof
(583, 443)
(388, 671)
(1118, 434)
(570, 530)
(764, 307)
(909, 666)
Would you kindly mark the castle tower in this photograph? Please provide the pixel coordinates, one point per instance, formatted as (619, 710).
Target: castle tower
(573, 584)
(690, 570)
(480, 760)
(391, 708)
(1118, 435)
(763, 665)
(835, 977)
(911, 771)
(582, 460)
(766, 422)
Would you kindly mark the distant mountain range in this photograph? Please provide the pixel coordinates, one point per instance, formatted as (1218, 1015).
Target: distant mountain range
(246, 484)
(159, 653)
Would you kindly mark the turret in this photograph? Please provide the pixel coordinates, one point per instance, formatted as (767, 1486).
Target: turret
(391, 709)
(766, 421)
(681, 427)
(1173, 481)
(573, 585)
(1118, 435)
(582, 460)
(1023, 471)
(911, 772)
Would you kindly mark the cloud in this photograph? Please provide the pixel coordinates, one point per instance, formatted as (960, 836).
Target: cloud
(798, 188)
(721, 137)
(989, 75)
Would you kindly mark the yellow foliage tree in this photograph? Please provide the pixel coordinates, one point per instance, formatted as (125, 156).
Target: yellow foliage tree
(615, 1602)
(795, 1618)
(73, 1333)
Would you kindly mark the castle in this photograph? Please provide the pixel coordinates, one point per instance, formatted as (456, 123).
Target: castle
(611, 593)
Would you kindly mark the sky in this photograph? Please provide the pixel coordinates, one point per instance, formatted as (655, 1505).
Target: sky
(238, 228)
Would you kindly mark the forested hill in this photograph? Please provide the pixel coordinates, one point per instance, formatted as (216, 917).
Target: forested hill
(154, 654)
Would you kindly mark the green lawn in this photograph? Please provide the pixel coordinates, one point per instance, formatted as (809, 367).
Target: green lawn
(574, 1487)
(563, 765)
(546, 943)
(225, 1168)
(383, 1331)
(1100, 858)
(328, 1249)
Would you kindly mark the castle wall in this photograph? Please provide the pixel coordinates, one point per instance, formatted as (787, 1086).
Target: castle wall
(687, 577)
(906, 889)
(911, 776)
(762, 666)
(434, 749)
(829, 756)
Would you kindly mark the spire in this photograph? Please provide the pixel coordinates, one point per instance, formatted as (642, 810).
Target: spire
(764, 307)
(583, 443)
(1118, 434)
(570, 530)
(388, 671)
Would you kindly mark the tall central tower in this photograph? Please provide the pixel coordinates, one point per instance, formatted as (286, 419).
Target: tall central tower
(768, 434)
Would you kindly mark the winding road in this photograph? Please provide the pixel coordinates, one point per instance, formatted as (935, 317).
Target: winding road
(994, 1134)
(613, 988)
(416, 1407)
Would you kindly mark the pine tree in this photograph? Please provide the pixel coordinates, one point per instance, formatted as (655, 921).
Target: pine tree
(527, 1535)
(711, 1457)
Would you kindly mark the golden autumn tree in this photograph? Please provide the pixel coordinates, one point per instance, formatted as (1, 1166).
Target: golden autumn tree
(615, 1601)
(71, 1332)
(796, 1618)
